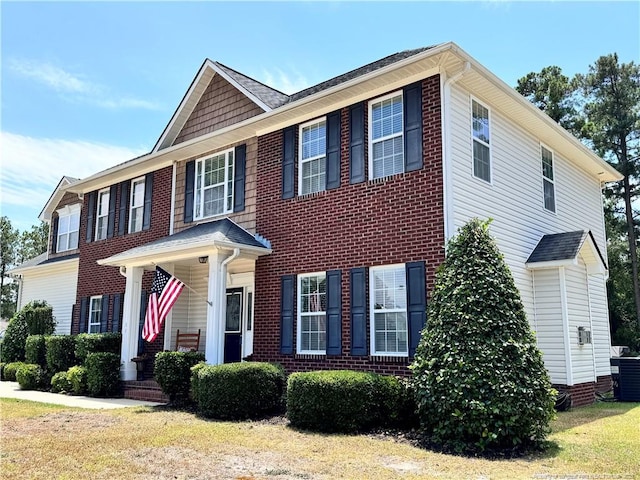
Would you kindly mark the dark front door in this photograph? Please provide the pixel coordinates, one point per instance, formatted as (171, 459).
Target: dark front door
(233, 326)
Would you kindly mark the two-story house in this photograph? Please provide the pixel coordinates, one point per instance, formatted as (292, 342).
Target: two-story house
(309, 227)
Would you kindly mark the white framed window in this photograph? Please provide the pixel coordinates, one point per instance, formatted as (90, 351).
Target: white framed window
(386, 136)
(95, 312)
(214, 185)
(548, 182)
(312, 169)
(136, 205)
(102, 214)
(388, 296)
(312, 309)
(480, 129)
(68, 228)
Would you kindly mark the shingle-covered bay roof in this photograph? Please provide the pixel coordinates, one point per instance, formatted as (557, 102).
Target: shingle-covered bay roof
(562, 246)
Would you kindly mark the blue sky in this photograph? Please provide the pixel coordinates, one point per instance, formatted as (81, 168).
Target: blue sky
(89, 85)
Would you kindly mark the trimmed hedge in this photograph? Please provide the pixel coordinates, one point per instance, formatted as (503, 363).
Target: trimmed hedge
(348, 401)
(172, 370)
(87, 343)
(103, 374)
(60, 353)
(39, 317)
(60, 383)
(35, 350)
(77, 377)
(2, 364)
(14, 339)
(30, 376)
(239, 390)
(10, 370)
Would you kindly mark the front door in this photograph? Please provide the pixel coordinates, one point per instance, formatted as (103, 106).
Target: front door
(233, 326)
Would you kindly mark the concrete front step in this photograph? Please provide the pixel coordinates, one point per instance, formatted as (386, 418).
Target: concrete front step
(146, 390)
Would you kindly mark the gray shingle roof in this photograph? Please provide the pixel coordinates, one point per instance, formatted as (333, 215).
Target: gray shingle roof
(270, 96)
(42, 260)
(559, 246)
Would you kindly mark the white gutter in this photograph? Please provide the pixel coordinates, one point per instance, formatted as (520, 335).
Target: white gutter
(447, 161)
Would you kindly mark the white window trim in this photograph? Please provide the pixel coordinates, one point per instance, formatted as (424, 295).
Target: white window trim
(226, 210)
(301, 160)
(91, 310)
(299, 317)
(473, 139)
(552, 181)
(98, 216)
(370, 141)
(132, 207)
(372, 324)
(68, 211)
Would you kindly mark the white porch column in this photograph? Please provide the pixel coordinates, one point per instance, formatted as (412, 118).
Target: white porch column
(130, 322)
(214, 346)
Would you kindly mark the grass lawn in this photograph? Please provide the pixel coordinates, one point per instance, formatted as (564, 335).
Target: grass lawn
(54, 442)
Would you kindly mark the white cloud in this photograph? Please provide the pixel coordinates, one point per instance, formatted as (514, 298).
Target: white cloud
(75, 87)
(285, 82)
(32, 167)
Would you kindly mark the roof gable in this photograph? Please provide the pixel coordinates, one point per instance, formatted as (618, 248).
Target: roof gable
(55, 198)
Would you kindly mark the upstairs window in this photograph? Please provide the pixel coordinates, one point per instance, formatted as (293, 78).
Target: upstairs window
(481, 142)
(95, 311)
(312, 304)
(548, 183)
(68, 228)
(389, 332)
(313, 165)
(214, 185)
(386, 144)
(102, 214)
(136, 208)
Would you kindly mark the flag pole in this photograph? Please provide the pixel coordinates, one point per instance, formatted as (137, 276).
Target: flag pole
(194, 291)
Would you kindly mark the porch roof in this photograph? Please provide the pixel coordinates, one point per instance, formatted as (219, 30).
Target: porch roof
(196, 241)
(562, 249)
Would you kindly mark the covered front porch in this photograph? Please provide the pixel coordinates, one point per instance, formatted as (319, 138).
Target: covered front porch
(216, 262)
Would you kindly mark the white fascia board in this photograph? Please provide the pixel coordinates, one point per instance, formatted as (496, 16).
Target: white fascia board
(47, 266)
(552, 264)
(54, 199)
(244, 91)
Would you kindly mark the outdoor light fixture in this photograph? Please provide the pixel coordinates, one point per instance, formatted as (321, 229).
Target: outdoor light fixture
(203, 260)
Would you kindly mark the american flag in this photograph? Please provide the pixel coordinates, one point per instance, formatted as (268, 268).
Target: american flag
(164, 293)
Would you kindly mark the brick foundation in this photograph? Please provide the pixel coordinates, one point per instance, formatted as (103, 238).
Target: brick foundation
(584, 393)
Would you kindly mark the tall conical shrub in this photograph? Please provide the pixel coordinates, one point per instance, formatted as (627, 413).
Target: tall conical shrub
(480, 381)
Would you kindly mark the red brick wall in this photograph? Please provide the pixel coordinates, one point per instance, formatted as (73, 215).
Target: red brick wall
(395, 220)
(94, 279)
(584, 393)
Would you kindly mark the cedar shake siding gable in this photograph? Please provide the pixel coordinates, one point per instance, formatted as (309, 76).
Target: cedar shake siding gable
(220, 105)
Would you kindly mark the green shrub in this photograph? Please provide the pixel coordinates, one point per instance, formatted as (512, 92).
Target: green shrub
(479, 378)
(103, 374)
(39, 318)
(60, 383)
(239, 390)
(77, 377)
(172, 370)
(60, 353)
(347, 401)
(195, 385)
(10, 370)
(87, 343)
(35, 350)
(2, 364)
(14, 339)
(30, 376)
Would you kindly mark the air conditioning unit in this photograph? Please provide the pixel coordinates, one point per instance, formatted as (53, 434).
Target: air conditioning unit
(584, 336)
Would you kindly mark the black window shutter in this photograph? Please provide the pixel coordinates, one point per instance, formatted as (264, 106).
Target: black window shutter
(143, 311)
(334, 312)
(333, 150)
(412, 97)
(356, 143)
(288, 162)
(111, 226)
(104, 313)
(286, 313)
(84, 310)
(239, 174)
(148, 195)
(358, 307)
(190, 180)
(123, 212)
(91, 215)
(54, 234)
(117, 312)
(416, 303)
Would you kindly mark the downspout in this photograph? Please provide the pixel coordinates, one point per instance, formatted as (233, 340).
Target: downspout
(447, 166)
(173, 198)
(123, 271)
(222, 304)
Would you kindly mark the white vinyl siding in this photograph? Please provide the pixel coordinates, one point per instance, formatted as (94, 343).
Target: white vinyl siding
(95, 310)
(102, 214)
(313, 165)
(214, 185)
(386, 138)
(312, 318)
(388, 296)
(136, 205)
(548, 185)
(481, 141)
(56, 283)
(68, 228)
(600, 335)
